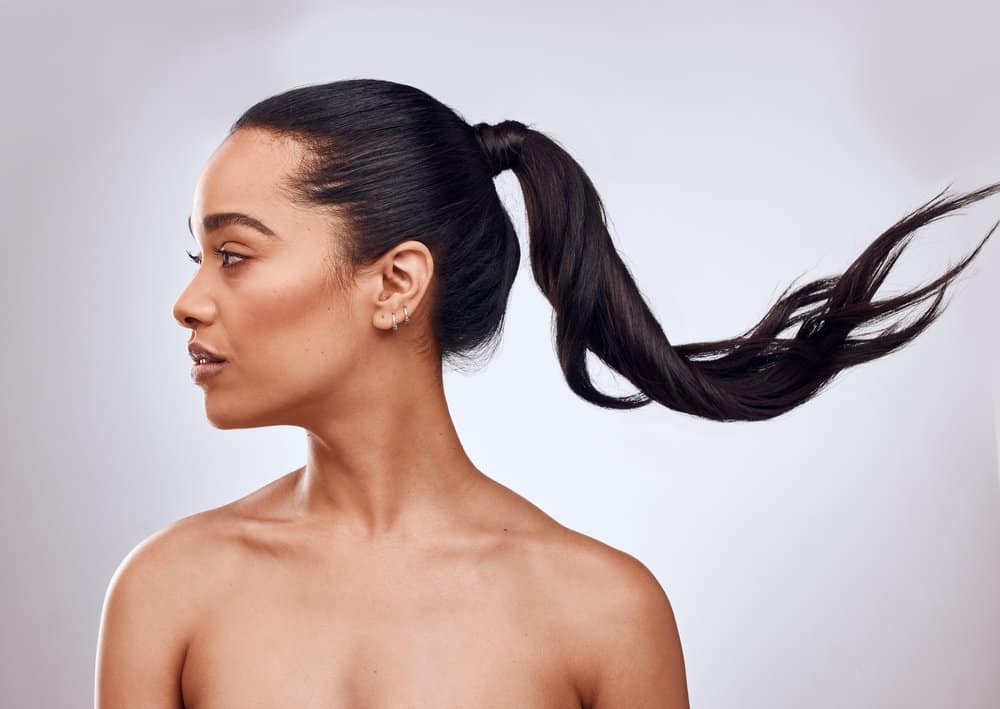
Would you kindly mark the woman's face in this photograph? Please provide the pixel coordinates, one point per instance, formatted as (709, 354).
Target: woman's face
(268, 307)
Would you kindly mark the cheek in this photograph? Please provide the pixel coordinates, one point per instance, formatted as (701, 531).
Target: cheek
(300, 331)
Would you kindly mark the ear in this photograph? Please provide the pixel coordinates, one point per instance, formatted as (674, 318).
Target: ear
(404, 275)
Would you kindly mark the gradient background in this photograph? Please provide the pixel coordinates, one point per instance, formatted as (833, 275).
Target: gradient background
(844, 554)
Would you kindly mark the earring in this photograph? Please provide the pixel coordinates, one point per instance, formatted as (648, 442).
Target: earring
(406, 320)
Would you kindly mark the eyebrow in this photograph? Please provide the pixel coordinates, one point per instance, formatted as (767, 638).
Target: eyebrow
(214, 222)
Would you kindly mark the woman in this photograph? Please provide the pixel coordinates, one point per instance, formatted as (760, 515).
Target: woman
(352, 243)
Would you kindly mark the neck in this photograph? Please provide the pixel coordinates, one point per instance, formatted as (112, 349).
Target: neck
(391, 467)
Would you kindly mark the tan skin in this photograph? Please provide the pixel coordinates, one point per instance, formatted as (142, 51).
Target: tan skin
(388, 571)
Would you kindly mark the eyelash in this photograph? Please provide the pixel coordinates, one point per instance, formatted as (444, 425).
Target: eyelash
(221, 252)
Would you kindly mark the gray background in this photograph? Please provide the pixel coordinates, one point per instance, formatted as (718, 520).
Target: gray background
(844, 554)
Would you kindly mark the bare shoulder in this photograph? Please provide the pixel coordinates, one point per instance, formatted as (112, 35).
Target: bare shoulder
(596, 572)
(150, 612)
(618, 639)
(175, 564)
(604, 580)
(626, 646)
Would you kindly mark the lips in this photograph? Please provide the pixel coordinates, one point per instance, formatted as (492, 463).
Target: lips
(200, 352)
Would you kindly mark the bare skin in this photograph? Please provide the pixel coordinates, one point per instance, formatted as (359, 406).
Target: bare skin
(486, 612)
(388, 571)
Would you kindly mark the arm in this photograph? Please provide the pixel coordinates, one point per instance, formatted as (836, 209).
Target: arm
(142, 639)
(641, 665)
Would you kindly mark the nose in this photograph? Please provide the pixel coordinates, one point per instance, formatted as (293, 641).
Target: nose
(192, 308)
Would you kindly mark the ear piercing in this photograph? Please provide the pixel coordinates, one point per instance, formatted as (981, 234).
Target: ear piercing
(406, 315)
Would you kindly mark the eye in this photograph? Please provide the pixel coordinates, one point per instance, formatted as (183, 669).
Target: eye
(226, 255)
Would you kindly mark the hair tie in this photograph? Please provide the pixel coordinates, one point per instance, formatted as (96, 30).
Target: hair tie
(501, 144)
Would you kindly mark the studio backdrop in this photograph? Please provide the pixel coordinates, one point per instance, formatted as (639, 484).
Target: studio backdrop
(845, 554)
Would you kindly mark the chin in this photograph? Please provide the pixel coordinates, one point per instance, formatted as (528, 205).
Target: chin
(230, 417)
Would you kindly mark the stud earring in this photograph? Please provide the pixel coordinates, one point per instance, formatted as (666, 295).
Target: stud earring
(394, 325)
(406, 315)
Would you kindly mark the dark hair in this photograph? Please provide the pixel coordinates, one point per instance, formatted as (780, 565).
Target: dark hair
(401, 165)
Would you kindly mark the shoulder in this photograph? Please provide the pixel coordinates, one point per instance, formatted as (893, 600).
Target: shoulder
(167, 576)
(601, 575)
(595, 573)
(626, 646)
(172, 576)
(150, 612)
(183, 545)
(165, 570)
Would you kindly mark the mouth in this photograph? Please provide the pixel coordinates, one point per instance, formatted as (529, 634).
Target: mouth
(204, 369)
(202, 359)
(202, 354)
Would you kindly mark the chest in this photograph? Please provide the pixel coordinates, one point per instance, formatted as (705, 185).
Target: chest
(399, 641)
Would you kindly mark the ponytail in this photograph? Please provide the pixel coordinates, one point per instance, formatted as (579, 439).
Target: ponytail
(756, 375)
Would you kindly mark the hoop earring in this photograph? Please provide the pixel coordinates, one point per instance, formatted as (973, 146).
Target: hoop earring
(406, 321)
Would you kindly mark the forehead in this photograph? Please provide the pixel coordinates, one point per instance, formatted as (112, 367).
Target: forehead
(247, 172)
